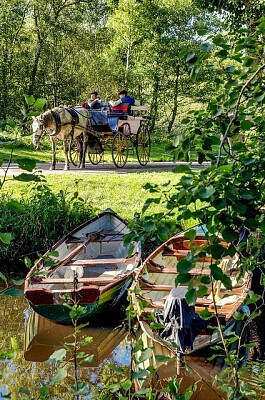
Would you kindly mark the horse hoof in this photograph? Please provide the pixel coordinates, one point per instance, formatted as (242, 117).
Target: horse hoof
(66, 168)
(82, 167)
(52, 167)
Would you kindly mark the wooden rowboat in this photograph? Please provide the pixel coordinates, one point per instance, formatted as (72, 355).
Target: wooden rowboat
(90, 267)
(43, 337)
(155, 283)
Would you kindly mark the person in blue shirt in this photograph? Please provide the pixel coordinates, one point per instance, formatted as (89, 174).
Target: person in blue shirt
(124, 99)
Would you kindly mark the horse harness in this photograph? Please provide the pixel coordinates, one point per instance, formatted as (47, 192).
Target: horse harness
(58, 122)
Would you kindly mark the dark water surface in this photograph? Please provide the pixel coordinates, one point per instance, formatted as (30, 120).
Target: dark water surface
(35, 339)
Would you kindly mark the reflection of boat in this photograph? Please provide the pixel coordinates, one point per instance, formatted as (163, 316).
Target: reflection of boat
(90, 266)
(163, 366)
(43, 337)
(158, 294)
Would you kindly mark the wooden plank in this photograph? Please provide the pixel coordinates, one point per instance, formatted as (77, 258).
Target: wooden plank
(55, 281)
(100, 261)
(73, 253)
(153, 267)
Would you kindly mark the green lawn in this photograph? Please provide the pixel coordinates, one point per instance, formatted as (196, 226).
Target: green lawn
(123, 193)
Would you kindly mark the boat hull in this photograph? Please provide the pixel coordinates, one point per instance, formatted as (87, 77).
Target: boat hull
(92, 269)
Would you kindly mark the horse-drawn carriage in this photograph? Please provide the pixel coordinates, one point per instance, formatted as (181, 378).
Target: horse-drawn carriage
(93, 131)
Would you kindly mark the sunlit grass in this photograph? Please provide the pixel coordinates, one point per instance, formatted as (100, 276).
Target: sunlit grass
(124, 193)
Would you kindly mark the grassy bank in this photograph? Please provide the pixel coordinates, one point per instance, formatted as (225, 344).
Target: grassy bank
(123, 193)
(55, 206)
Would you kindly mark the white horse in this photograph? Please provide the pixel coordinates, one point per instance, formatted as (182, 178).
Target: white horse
(63, 123)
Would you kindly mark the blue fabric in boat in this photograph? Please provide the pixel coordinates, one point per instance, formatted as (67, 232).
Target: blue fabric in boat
(181, 323)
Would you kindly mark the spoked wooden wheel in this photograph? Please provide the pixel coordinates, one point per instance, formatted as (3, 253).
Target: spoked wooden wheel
(95, 152)
(143, 145)
(76, 150)
(120, 149)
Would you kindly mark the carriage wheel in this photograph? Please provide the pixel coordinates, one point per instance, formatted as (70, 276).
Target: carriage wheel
(120, 150)
(143, 145)
(95, 153)
(76, 150)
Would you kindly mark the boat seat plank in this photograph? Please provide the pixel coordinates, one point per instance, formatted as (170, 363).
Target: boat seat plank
(169, 270)
(50, 281)
(179, 254)
(100, 261)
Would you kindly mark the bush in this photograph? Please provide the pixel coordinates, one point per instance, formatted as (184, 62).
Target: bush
(38, 220)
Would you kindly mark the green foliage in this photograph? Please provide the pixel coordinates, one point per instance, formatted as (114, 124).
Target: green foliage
(39, 219)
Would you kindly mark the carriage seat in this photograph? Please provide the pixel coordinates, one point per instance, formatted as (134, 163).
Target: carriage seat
(124, 108)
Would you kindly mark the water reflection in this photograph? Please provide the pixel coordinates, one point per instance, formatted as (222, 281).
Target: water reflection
(43, 338)
(37, 338)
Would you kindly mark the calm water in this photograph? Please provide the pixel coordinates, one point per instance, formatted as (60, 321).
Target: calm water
(38, 338)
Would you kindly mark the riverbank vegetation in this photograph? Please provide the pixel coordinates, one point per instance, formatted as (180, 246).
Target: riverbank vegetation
(38, 214)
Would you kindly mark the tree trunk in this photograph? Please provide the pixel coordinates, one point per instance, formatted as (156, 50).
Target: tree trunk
(154, 103)
(175, 102)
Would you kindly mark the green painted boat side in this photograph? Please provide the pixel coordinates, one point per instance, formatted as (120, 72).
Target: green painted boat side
(59, 313)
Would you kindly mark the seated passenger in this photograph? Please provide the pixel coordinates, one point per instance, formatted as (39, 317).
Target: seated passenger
(123, 102)
(95, 101)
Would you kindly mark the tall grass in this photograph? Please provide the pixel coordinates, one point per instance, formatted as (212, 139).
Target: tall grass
(41, 219)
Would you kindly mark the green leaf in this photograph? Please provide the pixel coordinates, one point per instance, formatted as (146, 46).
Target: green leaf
(191, 234)
(27, 262)
(202, 290)
(202, 32)
(205, 314)
(182, 278)
(181, 169)
(127, 384)
(149, 226)
(191, 296)
(184, 266)
(58, 355)
(18, 282)
(24, 391)
(146, 354)
(227, 282)
(5, 237)
(246, 125)
(26, 178)
(238, 316)
(15, 206)
(11, 122)
(217, 272)
(142, 391)
(229, 235)
(39, 103)
(60, 374)
(30, 100)
(253, 297)
(26, 163)
(162, 358)
(205, 193)
(114, 387)
(142, 374)
(3, 277)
